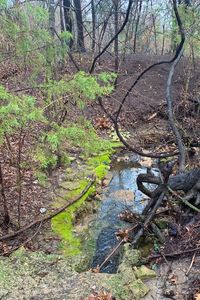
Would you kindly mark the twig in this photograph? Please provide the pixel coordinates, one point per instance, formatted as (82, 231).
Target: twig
(116, 248)
(178, 50)
(24, 243)
(48, 217)
(154, 256)
(183, 200)
(149, 217)
(191, 264)
(111, 254)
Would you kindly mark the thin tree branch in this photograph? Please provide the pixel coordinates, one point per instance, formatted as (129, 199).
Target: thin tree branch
(128, 146)
(114, 37)
(171, 117)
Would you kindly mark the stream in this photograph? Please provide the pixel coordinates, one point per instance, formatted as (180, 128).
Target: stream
(121, 194)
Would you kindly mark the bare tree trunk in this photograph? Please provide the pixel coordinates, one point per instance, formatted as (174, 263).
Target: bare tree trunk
(79, 21)
(114, 37)
(129, 32)
(136, 25)
(62, 27)
(52, 17)
(5, 205)
(93, 26)
(154, 28)
(116, 42)
(155, 34)
(68, 19)
(19, 174)
(163, 40)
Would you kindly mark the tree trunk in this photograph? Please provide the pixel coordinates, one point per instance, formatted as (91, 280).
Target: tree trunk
(136, 26)
(93, 26)
(5, 206)
(116, 43)
(68, 19)
(52, 17)
(163, 41)
(79, 21)
(62, 27)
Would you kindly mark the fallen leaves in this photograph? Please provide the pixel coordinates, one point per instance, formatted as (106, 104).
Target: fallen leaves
(123, 234)
(95, 270)
(102, 295)
(197, 296)
(102, 123)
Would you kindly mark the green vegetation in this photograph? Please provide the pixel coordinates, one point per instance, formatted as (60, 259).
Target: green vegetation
(63, 224)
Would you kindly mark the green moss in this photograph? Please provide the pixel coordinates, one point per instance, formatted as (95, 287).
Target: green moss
(62, 224)
(100, 164)
(100, 160)
(144, 273)
(101, 171)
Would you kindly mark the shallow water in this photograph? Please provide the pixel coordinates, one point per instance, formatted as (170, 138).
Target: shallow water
(121, 194)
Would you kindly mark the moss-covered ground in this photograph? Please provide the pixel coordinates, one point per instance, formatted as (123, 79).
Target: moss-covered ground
(96, 164)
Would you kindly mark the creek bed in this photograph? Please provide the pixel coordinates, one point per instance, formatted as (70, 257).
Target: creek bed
(121, 194)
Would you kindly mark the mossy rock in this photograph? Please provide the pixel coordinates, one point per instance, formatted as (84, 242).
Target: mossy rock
(144, 273)
(131, 256)
(70, 185)
(125, 286)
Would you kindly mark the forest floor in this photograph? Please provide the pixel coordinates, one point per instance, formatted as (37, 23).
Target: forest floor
(144, 117)
(144, 112)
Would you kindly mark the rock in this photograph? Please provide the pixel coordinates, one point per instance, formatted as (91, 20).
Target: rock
(98, 197)
(138, 289)
(130, 256)
(146, 162)
(123, 195)
(35, 275)
(144, 273)
(70, 185)
(107, 179)
(43, 210)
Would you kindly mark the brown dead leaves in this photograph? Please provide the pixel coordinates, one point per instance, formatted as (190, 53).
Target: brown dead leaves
(102, 295)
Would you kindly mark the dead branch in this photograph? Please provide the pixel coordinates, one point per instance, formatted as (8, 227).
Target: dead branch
(149, 217)
(171, 117)
(184, 200)
(155, 256)
(126, 144)
(48, 217)
(187, 182)
(191, 264)
(24, 243)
